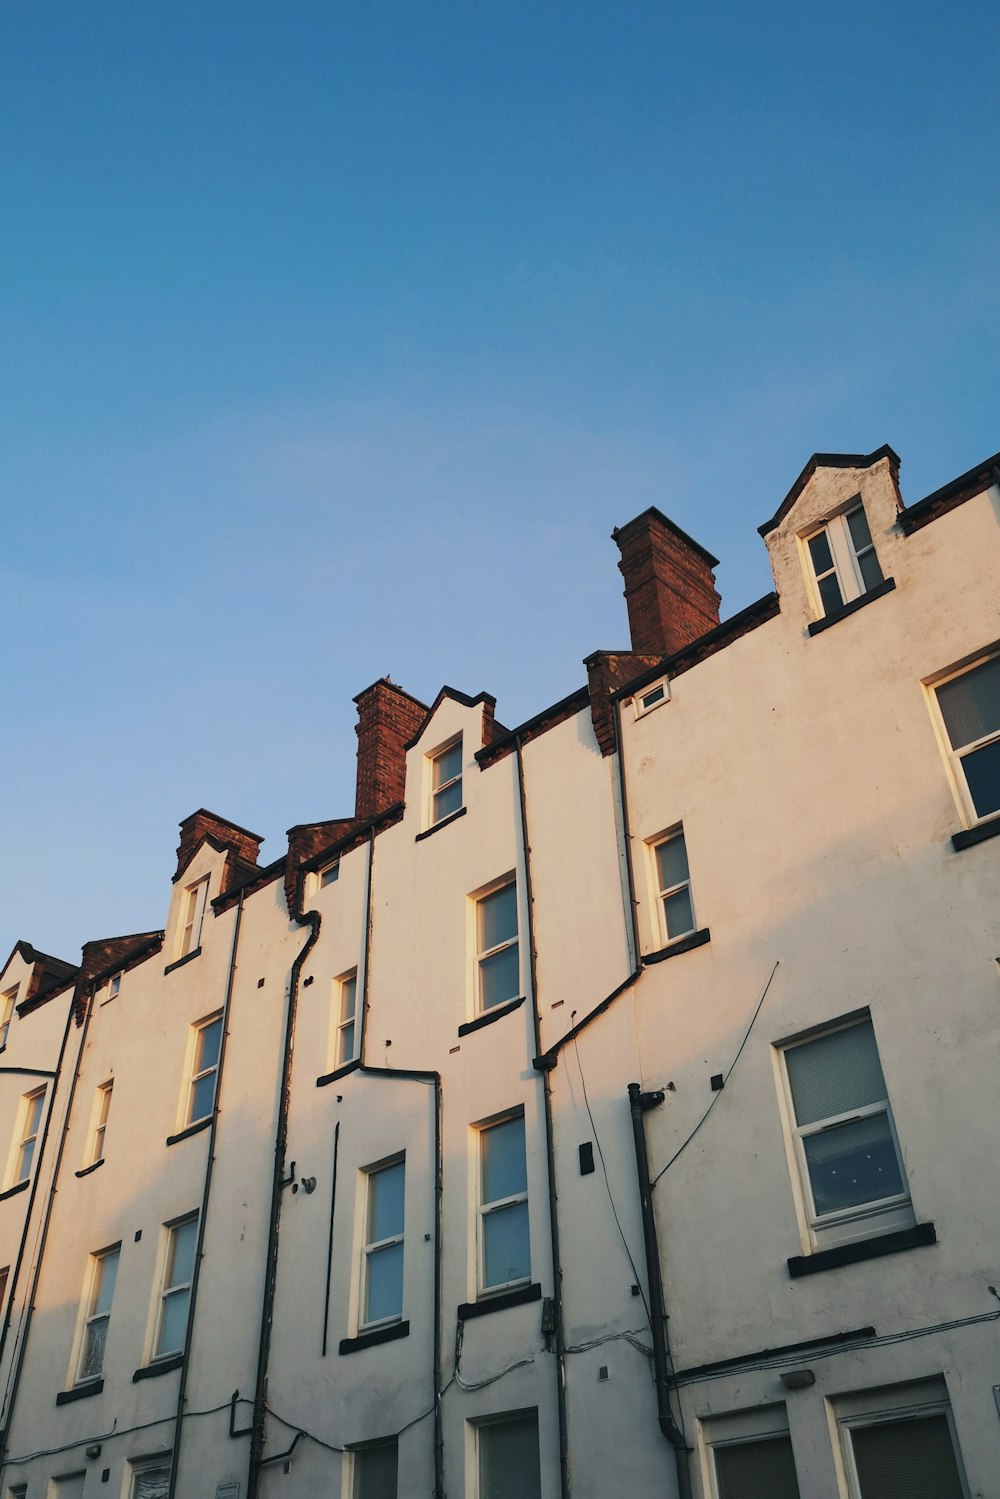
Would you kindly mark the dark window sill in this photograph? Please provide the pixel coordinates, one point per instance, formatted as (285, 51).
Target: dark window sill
(836, 615)
(88, 1169)
(162, 1366)
(863, 1249)
(683, 944)
(192, 1129)
(331, 1077)
(13, 1191)
(80, 1392)
(979, 834)
(452, 817)
(373, 1338)
(188, 957)
(497, 1013)
(500, 1302)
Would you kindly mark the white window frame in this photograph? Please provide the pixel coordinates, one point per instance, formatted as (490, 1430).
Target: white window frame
(436, 789)
(96, 1270)
(652, 696)
(138, 1466)
(886, 1407)
(192, 919)
(482, 954)
(173, 1289)
(500, 1418)
(663, 892)
(102, 1109)
(741, 1428)
(28, 1128)
(197, 1072)
(954, 757)
(7, 1001)
(114, 986)
(485, 1209)
(328, 875)
(846, 560)
(346, 988)
(356, 1490)
(4, 1278)
(372, 1247)
(866, 1220)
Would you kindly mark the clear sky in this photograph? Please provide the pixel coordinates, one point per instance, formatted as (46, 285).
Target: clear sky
(338, 336)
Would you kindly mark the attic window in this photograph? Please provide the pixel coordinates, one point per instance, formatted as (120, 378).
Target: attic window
(843, 560)
(329, 875)
(651, 697)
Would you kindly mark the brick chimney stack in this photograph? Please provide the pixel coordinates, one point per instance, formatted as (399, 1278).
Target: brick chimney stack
(669, 584)
(388, 718)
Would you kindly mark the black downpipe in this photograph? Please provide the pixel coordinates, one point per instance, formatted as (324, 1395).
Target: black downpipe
(312, 920)
(638, 1101)
(329, 1241)
(22, 1349)
(203, 1210)
(557, 1306)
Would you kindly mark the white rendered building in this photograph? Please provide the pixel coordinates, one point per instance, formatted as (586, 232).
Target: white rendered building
(607, 1100)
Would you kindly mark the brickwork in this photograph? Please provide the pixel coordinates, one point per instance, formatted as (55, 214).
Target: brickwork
(606, 672)
(306, 839)
(203, 824)
(669, 584)
(388, 718)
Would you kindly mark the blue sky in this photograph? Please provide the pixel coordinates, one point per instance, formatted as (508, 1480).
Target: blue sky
(338, 337)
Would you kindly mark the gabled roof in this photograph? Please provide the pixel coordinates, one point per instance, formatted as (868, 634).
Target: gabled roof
(828, 460)
(457, 697)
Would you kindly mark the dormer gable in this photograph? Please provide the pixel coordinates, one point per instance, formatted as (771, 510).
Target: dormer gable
(440, 757)
(213, 855)
(832, 539)
(241, 847)
(29, 977)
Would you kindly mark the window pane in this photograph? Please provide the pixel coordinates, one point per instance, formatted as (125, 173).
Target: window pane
(27, 1154)
(104, 1290)
(829, 592)
(835, 1073)
(857, 524)
(385, 1202)
(375, 1472)
(497, 917)
(970, 704)
(384, 1292)
(504, 1170)
(506, 1249)
(852, 1164)
(679, 913)
(447, 801)
(208, 1044)
(500, 977)
(508, 1459)
(671, 863)
(34, 1114)
(819, 551)
(757, 1470)
(982, 772)
(448, 764)
(348, 997)
(153, 1483)
(93, 1353)
(202, 1097)
(347, 1043)
(174, 1323)
(907, 1460)
(871, 571)
(182, 1246)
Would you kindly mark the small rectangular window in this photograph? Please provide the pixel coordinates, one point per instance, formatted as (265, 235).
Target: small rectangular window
(376, 1471)
(68, 1486)
(346, 991)
(970, 709)
(175, 1297)
(845, 1141)
(651, 697)
(192, 917)
(114, 986)
(745, 1470)
(102, 1276)
(201, 1098)
(900, 1441)
(446, 781)
(673, 882)
(504, 1244)
(150, 1479)
(508, 1457)
(498, 968)
(31, 1117)
(7, 1002)
(382, 1289)
(101, 1121)
(329, 875)
(844, 562)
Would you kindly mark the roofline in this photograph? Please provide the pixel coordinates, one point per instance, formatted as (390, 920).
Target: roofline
(225, 821)
(971, 483)
(574, 702)
(456, 696)
(757, 613)
(828, 460)
(670, 525)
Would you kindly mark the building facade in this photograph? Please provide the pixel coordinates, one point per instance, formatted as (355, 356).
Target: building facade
(606, 1099)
